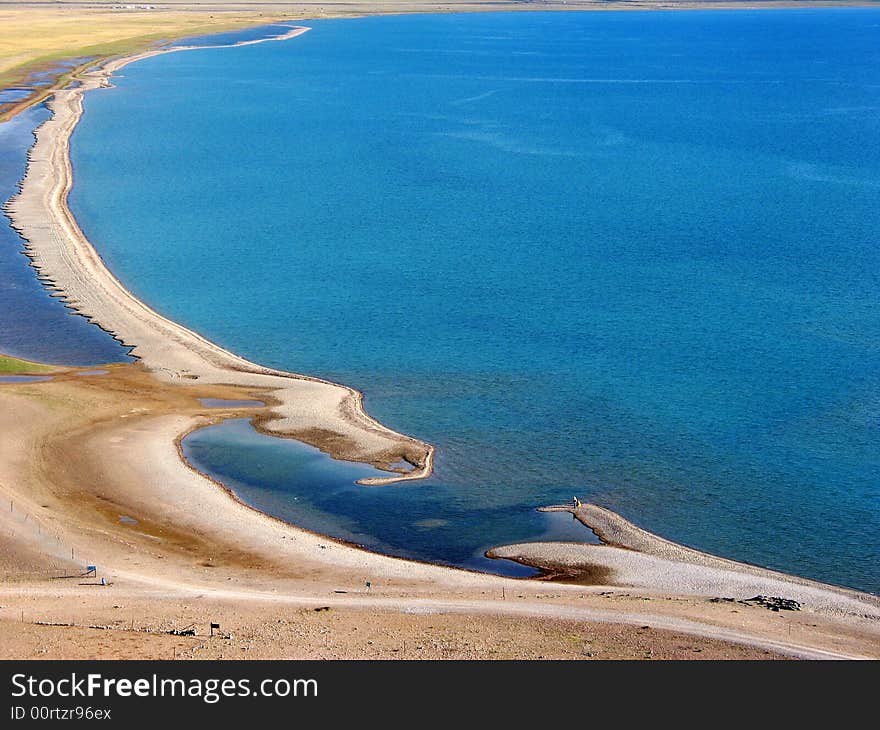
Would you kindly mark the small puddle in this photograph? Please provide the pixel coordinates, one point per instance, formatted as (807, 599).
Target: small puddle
(14, 94)
(86, 373)
(126, 520)
(24, 378)
(224, 403)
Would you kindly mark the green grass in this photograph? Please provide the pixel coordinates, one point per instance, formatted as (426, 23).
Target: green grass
(13, 365)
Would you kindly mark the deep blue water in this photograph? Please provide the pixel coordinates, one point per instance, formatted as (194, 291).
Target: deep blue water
(627, 256)
(34, 325)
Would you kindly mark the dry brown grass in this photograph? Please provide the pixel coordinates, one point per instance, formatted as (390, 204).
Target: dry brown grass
(33, 38)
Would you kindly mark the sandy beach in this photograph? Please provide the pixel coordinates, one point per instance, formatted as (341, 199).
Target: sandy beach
(93, 474)
(635, 557)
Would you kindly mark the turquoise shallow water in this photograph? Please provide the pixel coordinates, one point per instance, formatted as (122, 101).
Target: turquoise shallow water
(34, 325)
(627, 256)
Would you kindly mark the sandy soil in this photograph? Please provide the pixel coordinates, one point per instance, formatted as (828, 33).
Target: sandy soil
(131, 627)
(634, 557)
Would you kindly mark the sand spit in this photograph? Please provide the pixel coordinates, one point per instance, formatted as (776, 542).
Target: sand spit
(80, 454)
(319, 412)
(633, 557)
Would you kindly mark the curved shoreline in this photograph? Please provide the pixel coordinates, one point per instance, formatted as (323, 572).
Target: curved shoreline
(328, 415)
(631, 556)
(315, 411)
(79, 453)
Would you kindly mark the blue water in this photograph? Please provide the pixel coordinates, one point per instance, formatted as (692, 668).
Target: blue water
(14, 94)
(34, 325)
(627, 256)
(24, 378)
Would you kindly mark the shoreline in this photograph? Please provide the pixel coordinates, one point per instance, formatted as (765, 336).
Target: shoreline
(81, 454)
(328, 415)
(630, 554)
(54, 64)
(183, 360)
